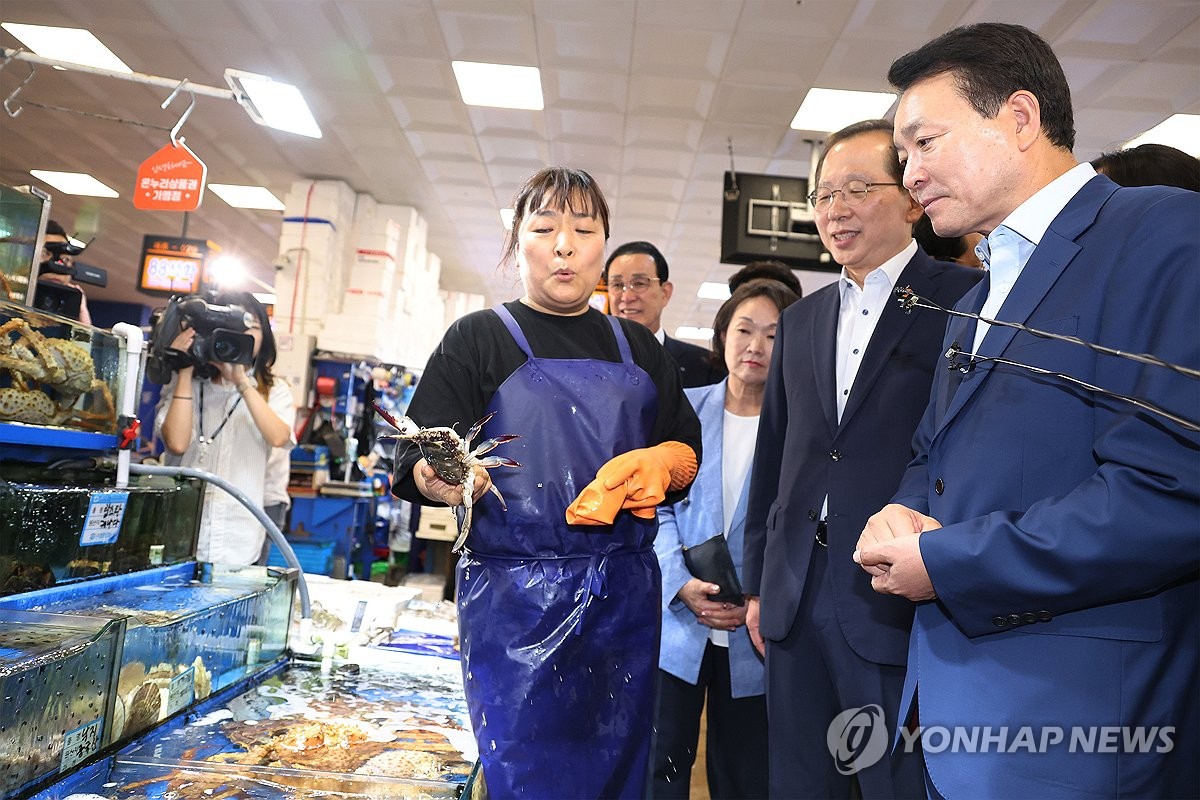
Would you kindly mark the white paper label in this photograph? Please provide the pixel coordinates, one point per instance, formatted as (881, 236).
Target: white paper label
(104, 515)
(181, 691)
(81, 743)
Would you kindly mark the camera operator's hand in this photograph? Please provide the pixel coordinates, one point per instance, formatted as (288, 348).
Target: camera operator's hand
(234, 374)
(183, 342)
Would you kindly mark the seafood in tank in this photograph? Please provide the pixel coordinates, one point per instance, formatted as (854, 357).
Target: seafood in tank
(55, 371)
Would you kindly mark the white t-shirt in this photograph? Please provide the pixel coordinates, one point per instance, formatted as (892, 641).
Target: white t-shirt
(229, 534)
(737, 453)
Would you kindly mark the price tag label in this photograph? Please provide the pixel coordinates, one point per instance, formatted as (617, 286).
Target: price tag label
(104, 515)
(181, 691)
(81, 743)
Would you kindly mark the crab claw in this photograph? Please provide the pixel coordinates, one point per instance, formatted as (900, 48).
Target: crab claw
(492, 444)
(477, 427)
(496, 461)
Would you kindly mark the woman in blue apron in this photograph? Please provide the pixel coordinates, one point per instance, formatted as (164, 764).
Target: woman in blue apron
(559, 620)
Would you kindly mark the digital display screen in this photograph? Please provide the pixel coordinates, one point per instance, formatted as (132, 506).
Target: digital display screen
(171, 265)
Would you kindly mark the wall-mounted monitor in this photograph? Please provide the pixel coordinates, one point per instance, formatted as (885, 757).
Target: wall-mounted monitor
(768, 217)
(172, 265)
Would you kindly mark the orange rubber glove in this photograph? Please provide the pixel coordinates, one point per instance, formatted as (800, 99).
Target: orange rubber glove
(638, 480)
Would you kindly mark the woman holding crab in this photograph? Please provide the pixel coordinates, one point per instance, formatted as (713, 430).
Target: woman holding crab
(558, 596)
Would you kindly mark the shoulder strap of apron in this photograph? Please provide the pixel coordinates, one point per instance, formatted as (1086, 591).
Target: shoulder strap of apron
(622, 341)
(514, 329)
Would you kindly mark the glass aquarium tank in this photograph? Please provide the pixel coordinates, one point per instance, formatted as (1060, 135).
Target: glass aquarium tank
(57, 372)
(189, 631)
(56, 679)
(66, 523)
(23, 215)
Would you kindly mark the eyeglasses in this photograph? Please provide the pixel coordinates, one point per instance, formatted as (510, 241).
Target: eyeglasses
(636, 285)
(853, 193)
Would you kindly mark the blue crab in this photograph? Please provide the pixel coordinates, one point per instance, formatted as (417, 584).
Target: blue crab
(452, 458)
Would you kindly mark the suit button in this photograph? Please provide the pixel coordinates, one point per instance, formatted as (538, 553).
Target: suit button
(1030, 617)
(1015, 619)
(939, 486)
(1000, 621)
(836, 455)
(812, 515)
(1044, 616)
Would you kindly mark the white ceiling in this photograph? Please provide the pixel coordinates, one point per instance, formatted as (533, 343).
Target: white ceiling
(641, 93)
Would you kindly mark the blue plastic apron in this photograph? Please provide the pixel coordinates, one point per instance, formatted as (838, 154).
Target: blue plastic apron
(560, 623)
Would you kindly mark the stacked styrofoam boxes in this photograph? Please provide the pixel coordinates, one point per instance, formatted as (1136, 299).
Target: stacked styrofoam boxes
(458, 304)
(371, 324)
(313, 242)
(293, 362)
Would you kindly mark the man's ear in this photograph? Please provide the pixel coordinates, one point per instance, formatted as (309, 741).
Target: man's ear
(1027, 117)
(667, 288)
(915, 211)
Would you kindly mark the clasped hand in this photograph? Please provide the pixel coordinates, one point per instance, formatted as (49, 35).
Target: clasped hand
(889, 551)
(718, 616)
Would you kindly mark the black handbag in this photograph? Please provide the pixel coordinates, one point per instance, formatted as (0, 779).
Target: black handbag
(710, 561)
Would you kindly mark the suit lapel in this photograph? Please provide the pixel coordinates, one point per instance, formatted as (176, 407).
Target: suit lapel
(893, 324)
(1052, 255)
(824, 343)
(711, 411)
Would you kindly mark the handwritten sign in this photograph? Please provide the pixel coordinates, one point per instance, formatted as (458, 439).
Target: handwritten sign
(103, 521)
(170, 180)
(181, 690)
(81, 743)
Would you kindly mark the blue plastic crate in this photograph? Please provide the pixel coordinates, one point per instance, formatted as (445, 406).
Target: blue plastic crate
(316, 558)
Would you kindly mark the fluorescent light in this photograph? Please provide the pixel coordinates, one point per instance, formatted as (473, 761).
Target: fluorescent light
(73, 45)
(74, 183)
(267, 299)
(689, 332)
(506, 218)
(1181, 131)
(272, 103)
(499, 85)
(833, 109)
(247, 196)
(710, 290)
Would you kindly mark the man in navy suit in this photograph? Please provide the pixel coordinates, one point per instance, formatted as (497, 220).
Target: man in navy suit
(849, 378)
(1048, 533)
(639, 289)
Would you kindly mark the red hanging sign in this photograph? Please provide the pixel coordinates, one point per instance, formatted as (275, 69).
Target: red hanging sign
(170, 180)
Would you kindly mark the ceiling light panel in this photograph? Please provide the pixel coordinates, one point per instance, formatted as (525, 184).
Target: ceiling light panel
(828, 110)
(258, 197)
(74, 183)
(1181, 131)
(499, 85)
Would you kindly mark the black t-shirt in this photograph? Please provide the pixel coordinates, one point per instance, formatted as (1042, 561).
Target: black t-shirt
(477, 355)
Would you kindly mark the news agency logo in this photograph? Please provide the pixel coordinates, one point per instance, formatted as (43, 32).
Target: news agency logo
(857, 738)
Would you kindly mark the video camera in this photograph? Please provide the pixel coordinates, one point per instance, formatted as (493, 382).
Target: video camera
(219, 337)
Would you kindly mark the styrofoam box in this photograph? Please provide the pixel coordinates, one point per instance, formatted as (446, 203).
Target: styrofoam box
(380, 605)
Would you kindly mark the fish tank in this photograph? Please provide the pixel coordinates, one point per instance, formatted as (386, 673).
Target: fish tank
(24, 212)
(188, 631)
(57, 372)
(65, 524)
(56, 680)
(387, 725)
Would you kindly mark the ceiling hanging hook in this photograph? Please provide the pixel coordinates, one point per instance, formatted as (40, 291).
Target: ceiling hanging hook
(13, 96)
(733, 192)
(175, 139)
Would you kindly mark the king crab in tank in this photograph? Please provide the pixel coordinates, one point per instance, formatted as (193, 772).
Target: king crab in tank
(36, 364)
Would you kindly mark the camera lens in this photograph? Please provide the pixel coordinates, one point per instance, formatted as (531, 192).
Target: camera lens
(225, 350)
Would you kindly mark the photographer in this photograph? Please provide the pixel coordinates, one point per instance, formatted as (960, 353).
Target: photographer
(58, 265)
(219, 418)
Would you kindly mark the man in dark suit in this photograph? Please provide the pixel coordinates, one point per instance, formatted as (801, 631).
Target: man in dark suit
(849, 378)
(636, 275)
(1048, 532)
